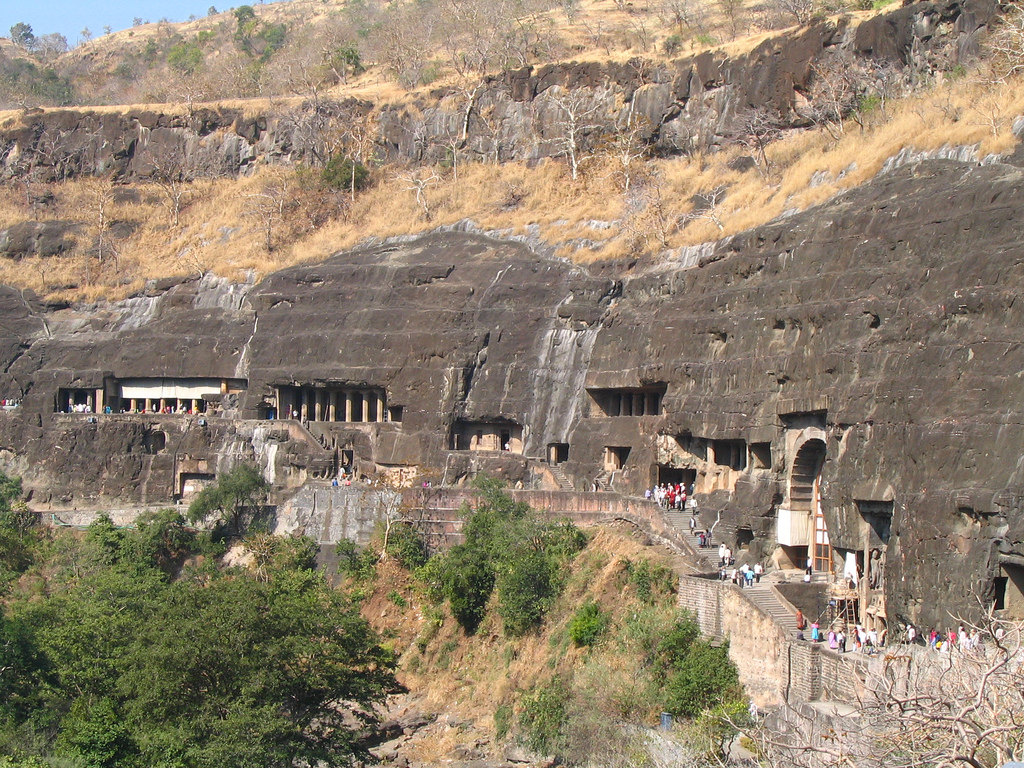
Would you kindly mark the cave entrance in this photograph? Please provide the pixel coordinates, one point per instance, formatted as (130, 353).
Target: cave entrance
(677, 476)
(1009, 590)
(615, 457)
(558, 453)
(191, 483)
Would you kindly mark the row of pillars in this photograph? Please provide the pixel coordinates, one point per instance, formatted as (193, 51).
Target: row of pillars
(633, 403)
(160, 405)
(314, 404)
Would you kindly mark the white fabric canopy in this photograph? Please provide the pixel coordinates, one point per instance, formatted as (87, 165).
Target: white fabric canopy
(181, 389)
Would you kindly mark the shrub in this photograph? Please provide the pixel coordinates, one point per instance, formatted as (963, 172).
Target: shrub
(649, 580)
(406, 545)
(502, 720)
(543, 717)
(343, 173)
(703, 679)
(360, 564)
(589, 623)
(507, 549)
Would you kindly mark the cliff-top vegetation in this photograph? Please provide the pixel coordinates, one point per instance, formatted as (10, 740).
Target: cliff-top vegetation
(609, 197)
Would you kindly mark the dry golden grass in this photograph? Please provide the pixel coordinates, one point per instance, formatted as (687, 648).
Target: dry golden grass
(218, 230)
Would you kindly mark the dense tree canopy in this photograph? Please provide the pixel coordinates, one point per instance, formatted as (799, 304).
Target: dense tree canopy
(141, 654)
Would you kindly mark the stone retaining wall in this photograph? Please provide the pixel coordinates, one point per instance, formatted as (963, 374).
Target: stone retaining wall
(774, 669)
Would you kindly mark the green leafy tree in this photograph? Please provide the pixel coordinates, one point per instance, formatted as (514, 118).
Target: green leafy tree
(342, 173)
(245, 672)
(238, 497)
(506, 548)
(543, 716)
(21, 34)
(223, 670)
(186, 57)
(18, 537)
(700, 676)
(23, 671)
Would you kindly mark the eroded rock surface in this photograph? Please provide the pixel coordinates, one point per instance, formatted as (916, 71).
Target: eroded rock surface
(883, 328)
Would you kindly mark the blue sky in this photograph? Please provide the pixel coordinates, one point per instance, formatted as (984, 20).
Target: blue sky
(70, 17)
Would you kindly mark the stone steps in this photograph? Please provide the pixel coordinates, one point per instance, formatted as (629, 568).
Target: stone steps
(564, 483)
(763, 596)
(681, 522)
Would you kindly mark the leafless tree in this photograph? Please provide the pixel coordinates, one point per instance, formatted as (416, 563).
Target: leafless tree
(100, 195)
(685, 15)
(758, 128)
(962, 706)
(418, 182)
(267, 207)
(1006, 44)
(707, 206)
(627, 148)
(650, 219)
(734, 13)
(171, 171)
(837, 86)
(788, 12)
(580, 111)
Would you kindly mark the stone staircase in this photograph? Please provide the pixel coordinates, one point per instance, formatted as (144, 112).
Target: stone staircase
(564, 483)
(706, 558)
(763, 596)
(604, 481)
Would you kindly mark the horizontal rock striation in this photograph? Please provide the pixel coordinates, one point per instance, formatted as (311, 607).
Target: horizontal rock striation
(865, 356)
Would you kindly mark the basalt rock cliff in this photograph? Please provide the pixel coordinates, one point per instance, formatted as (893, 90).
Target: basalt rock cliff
(863, 359)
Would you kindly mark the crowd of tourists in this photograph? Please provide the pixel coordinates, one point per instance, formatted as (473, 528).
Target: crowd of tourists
(669, 495)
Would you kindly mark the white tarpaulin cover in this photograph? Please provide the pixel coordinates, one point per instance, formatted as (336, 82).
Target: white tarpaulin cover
(181, 389)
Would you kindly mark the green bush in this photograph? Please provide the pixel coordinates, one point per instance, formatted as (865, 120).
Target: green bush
(186, 57)
(588, 624)
(343, 173)
(360, 564)
(234, 503)
(406, 545)
(543, 716)
(650, 581)
(703, 679)
(508, 549)
(502, 720)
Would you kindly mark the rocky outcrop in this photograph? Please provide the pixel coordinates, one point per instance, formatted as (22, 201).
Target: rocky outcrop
(690, 104)
(881, 329)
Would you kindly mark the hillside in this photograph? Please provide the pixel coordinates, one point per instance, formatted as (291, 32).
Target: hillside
(468, 694)
(603, 157)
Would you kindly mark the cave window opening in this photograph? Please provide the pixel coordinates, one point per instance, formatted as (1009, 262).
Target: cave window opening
(1010, 590)
(730, 453)
(501, 435)
(627, 401)
(676, 476)
(78, 400)
(744, 536)
(697, 447)
(615, 457)
(395, 413)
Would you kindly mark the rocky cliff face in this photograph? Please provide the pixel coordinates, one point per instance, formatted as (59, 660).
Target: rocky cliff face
(866, 354)
(687, 105)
